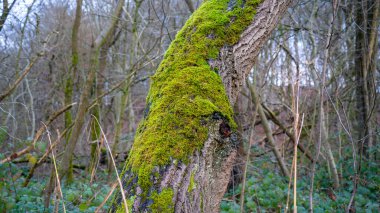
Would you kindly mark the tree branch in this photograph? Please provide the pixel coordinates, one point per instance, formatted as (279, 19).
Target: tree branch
(38, 135)
(18, 81)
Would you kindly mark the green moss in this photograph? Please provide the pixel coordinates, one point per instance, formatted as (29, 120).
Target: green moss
(75, 59)
(121, 207)
(163, 202)
(68, 100)
(192, 184)
(201, 195)
(130, 202)
(144, 177)
(185, 91)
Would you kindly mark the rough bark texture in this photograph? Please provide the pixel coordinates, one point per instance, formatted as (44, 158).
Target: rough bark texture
(237, 61)
(196, 186)
(185, 147)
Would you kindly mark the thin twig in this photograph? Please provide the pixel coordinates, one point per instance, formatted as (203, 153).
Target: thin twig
(295, 106)
(18, 81)
(56, 170)
(252, 129)
(273, 118)
(37, 135)
(114, 185)
(44, 156)
(115, 168)
(268, 131)
(321, 109)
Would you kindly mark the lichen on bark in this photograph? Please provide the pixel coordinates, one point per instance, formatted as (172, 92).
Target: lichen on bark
(185, 93)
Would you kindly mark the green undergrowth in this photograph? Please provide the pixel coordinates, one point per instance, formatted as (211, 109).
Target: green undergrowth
(80, 196)
(185, 91)
(266, 190)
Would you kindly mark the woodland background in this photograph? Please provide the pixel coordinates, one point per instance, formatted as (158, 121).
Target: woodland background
(322, 57)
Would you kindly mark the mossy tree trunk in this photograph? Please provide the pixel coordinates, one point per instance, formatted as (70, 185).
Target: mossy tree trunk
(99, 43)
(71, 76)
(185, 146)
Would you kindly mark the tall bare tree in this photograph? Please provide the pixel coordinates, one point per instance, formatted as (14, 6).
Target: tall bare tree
(100, 41)
(72, 73)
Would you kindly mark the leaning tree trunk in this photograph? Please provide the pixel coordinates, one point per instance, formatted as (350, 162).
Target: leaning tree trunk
(185, 145)
(99, 43)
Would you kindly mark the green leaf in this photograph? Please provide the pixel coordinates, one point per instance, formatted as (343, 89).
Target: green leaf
(41, 146)
(83, 207)
(70, 196)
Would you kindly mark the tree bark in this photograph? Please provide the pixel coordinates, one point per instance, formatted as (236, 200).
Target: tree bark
(185, 145)
(365, 68)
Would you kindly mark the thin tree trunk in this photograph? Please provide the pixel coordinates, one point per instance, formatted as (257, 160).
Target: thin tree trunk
(275, 120)
(125, 98)
(367, 13)
(84, 98)
(96, 109)
(322, 131)
(119, 121)
(71, 76)
(365, 67)
(119, 109)
(334, 169)
(268, 131)
(370, 74)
